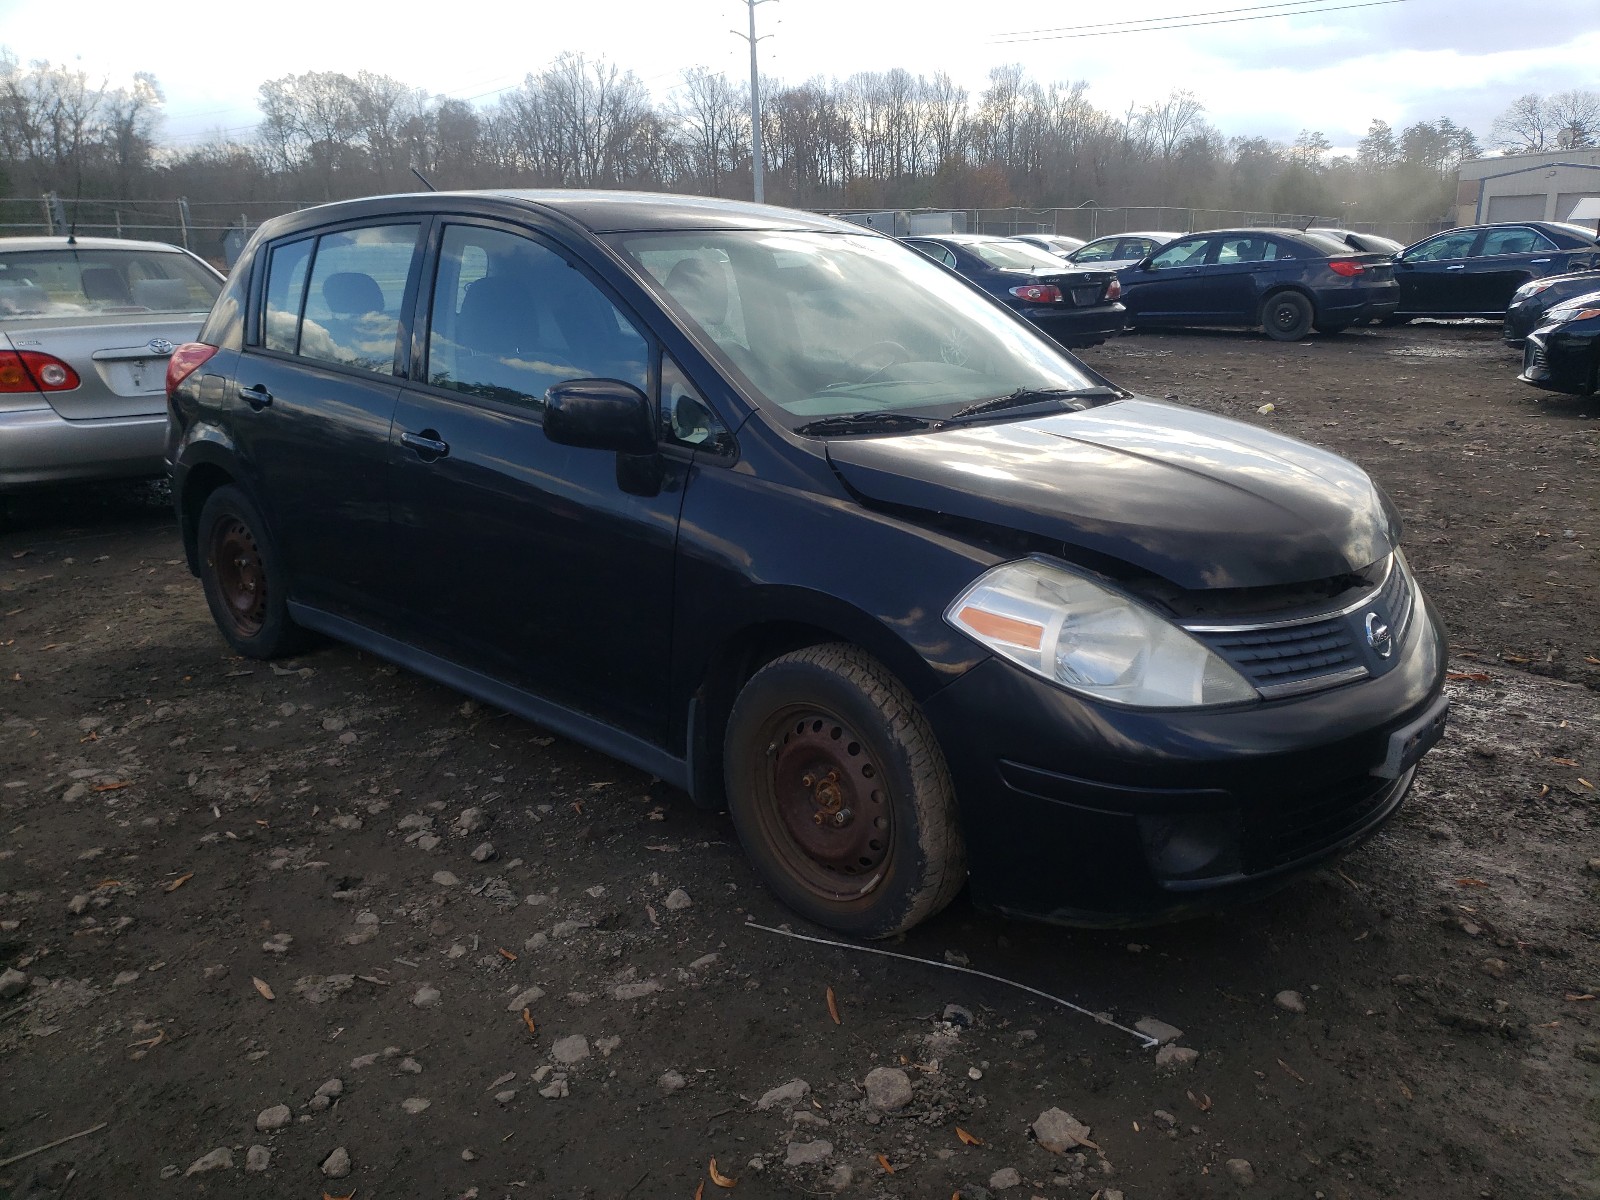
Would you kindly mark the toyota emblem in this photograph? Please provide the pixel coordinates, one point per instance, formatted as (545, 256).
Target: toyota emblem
(161, 346)
(1379, 636)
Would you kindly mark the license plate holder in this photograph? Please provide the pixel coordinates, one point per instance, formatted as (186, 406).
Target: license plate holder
(1410, 742)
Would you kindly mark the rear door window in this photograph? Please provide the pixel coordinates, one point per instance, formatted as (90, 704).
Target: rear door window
(355, 293)
(1515, 241)
(286, 289)
(1445, 246)
(511, 317)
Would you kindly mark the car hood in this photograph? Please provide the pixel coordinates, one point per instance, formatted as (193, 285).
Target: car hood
(1202, 501)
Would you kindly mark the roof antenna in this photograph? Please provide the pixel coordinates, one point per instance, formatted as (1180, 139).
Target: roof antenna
(424, 178)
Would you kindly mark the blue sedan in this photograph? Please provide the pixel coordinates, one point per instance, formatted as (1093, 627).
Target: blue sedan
(1074, 306)
(1473, 272)
(1284, 280)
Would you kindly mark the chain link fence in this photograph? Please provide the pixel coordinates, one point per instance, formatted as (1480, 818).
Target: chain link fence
(216, 230)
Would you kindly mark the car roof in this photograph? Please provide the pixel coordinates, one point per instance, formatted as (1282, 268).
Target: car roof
(596, 211)
(12, 245)
(1164, 234)
(1560, 229)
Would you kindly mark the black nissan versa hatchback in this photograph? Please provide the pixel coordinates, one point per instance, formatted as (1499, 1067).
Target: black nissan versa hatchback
(774, 508)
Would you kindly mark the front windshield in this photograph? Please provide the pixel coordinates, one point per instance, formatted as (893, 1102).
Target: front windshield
(75, 281)
(821, 324)
(1014, 255)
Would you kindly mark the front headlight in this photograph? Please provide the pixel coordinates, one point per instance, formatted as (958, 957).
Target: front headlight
(1532, 288)
(1090, 639)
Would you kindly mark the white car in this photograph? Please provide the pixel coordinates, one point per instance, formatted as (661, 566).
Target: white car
(86, 328)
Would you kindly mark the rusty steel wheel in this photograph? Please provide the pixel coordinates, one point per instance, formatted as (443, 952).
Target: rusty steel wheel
(245, 587)
(235, 559)
(825, 803)
(840, 794)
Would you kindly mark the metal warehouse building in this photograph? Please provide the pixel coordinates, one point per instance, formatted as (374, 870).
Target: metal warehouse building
(1526, 187)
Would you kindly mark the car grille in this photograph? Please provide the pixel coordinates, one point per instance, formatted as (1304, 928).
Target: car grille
(1297, 654)
(1285, 658)
(1533, 357)
(1289, 828)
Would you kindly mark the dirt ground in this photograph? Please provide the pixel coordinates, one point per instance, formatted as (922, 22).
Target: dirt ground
(471, 960)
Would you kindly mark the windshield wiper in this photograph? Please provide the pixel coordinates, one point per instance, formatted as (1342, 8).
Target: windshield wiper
(864, 422)
(1024, 396)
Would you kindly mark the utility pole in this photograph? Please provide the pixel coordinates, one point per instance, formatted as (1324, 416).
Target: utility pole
(755, 98)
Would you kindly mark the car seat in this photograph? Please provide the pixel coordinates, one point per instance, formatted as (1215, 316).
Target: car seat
(104, 284)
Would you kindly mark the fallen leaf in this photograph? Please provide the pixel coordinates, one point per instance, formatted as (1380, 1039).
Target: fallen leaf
(263, 988)
(1473, 676)
(968, 1139)
(1578, 997)
(1591, 660)
(112, 787)
(1291, 1070)
(1544, 791)
(150, 1042)
(1512, 658)
(506, 954)
(1564, 762)
(178, 882)
(700, 1190)
(1549, 1025)
(1404, 1090)
(577, 807)
(1203, 1104)
(105, 883)
(1469, 881)
(717, 1177)
(885, 1164)
(1585, 783)
(527, 1019)
(833, 1008)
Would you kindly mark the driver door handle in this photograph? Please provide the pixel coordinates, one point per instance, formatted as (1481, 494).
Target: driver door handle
(1457, 267)
(257, 397)
(426, 444)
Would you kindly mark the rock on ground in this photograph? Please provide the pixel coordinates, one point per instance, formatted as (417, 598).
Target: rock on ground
(524, 998)
(220, 1159)
(790, 1093)
(804, 1154)
(1241, 1170)
(1176, 1057)
(276, 1117)
(427, 996)
(672, 1081)
(570, 1049)
(337, 1164)
(1059, 1131)
(1290, 1001)
(415, 1105)
(257, 1159)
(12, 983)
(1160, 1030)
(888, 1089)
(678, 900)
(1005, 1177)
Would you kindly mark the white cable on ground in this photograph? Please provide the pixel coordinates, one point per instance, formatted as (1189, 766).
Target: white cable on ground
(1145, 1039)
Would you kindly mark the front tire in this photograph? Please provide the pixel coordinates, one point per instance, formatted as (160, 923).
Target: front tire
(245, 585)
(1286, 316)
(840, 794)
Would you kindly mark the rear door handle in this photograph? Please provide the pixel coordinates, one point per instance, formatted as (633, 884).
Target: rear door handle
(257, 397)
(1457, 267)
(1541, 260)
(426, 444)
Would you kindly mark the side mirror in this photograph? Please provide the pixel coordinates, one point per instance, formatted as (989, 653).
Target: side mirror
(1147, 263)
(599, 414)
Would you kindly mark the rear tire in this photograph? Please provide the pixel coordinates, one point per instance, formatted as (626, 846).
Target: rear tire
(245, 584)
(840, 793)
(1286, 316)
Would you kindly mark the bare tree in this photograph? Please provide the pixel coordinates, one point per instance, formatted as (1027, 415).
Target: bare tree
(1574, 118)
(1524, 126)
(714, 119)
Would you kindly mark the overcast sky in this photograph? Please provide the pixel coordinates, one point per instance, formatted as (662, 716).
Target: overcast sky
(1333, 70)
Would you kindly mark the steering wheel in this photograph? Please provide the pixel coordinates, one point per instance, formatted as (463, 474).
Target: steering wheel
(892, 353)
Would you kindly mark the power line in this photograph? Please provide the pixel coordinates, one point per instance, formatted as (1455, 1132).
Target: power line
(1151, 25)
(1220, 12)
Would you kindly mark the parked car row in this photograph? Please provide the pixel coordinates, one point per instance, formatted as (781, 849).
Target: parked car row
(1289, 282)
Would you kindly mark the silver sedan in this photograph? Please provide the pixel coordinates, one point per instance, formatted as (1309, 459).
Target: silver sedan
(86, 328)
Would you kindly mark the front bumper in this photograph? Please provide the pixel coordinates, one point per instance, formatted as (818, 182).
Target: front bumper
(1078, 327)
(1560, 362)
(39, 447)
(1087, 814)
